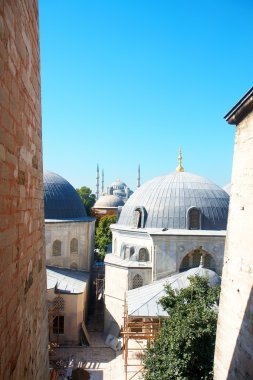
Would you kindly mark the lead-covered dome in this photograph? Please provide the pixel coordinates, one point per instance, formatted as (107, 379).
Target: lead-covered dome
(61, 200)
(108, 201)
(165, 202)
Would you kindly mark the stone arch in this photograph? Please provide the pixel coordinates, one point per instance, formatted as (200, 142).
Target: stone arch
(192, 260)
(137, 281)
(56, 251)
(73, 246)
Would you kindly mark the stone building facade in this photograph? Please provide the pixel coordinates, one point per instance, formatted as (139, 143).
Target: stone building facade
(23, 310)
(234, 342)
(164, 228)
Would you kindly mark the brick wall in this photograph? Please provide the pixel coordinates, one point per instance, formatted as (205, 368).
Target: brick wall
(234, 342)
(23, 313)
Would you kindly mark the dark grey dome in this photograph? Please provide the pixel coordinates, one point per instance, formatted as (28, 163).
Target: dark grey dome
(61, 200)
(166, 200)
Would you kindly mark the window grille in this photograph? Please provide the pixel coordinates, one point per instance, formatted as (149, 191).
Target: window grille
(137, 281)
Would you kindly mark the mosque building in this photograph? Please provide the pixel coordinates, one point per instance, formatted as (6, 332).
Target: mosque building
(111, 201)
(165, 227)
(69, 240)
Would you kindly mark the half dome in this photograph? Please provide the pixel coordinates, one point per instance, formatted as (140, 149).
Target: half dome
(61, 200)
(166, 201)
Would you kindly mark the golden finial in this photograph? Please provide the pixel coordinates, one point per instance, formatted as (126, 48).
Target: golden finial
(180, 167)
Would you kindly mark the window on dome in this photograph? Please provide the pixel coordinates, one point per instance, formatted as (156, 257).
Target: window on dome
(74, 246)
(194, 219)
(137, 281)
(143, 254)
(136, 220)
(57, 248)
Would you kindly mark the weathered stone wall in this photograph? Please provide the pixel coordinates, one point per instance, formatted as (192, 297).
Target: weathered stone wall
(234, 342)
(23, 311)
(64, 232)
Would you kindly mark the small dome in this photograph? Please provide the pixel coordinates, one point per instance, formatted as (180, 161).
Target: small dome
(213, 278)
(118, 184)
(61, 200)
(108, 201)
(166, 201)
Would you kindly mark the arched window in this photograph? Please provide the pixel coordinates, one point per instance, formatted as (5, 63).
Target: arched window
(192, 260)
(136, 221)
(194, 219)
(57, 248)
(74, 266)
(143, 254)
(74, 246)
(58, 324)
(138, 217)
(137, 281)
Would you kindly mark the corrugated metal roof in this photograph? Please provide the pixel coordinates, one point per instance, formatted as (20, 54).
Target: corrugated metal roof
(143, 301)
(67, 280)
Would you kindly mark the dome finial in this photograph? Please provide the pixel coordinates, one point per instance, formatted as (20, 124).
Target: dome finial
(180, 167)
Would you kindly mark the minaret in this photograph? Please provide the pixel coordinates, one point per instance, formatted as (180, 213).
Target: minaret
(97, 185)
(180, 167)
(102, 188)
(139, 177)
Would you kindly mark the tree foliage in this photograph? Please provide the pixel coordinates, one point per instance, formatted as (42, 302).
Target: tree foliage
(87, 197)
(103, 236)
(184, 348)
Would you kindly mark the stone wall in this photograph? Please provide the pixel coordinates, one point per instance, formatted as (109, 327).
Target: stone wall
(64, 232)
(23, 311)
(234, 342)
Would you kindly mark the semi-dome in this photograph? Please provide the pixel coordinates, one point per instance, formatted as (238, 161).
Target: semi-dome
(165, 202)
(108, 201)
(61, 200)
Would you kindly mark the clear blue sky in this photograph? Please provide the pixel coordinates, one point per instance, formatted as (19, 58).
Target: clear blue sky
(128, 81)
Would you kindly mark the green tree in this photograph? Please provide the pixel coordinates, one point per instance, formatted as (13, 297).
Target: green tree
(103, 236)
(184, 348)
(87, 197)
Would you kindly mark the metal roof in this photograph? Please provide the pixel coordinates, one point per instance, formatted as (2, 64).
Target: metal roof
(167, 199)
(66, 280)
(143, 301)
(61, 200)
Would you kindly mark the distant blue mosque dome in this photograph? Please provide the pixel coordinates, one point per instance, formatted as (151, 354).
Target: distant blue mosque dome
(165, 202)
(61, 200)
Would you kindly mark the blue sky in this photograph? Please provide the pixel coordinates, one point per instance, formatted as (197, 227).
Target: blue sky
(129, 81)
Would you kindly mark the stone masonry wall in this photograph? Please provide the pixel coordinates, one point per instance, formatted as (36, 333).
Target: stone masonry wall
(23, 311)
(234, 342)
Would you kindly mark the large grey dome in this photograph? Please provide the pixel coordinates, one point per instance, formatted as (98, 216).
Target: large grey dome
(61, 200)
(167, 199)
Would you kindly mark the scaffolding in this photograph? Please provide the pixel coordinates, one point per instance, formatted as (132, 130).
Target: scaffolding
(141, 331)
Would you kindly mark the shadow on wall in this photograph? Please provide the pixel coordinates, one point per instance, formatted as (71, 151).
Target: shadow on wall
(110, 325)
(241, 366)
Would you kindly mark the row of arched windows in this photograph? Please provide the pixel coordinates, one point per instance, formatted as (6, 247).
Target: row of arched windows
(130, 253)
(193, 218)
(57, 247)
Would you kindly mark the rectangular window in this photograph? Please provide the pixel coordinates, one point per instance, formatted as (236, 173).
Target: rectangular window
(58, 325)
